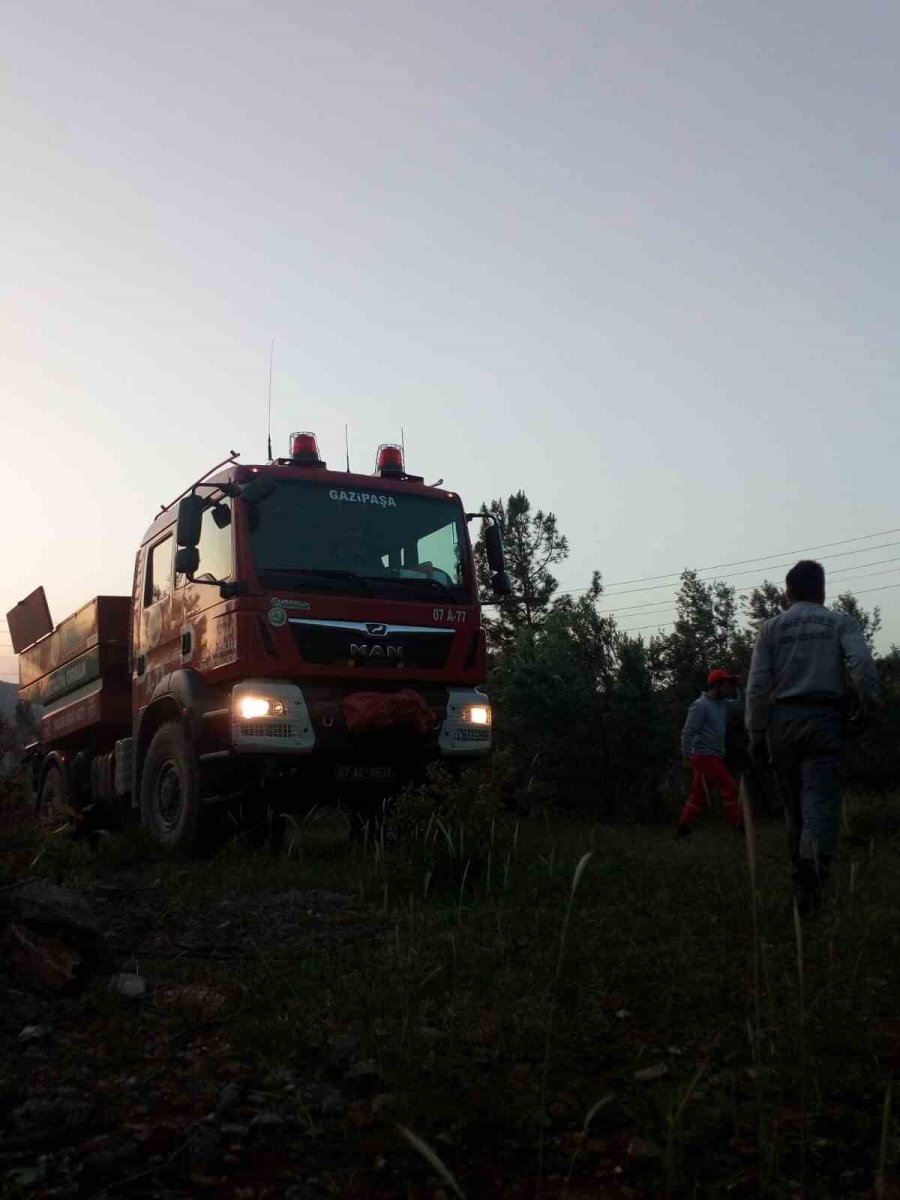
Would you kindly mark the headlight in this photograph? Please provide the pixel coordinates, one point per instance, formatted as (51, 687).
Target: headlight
(251, 708)
(477, 714)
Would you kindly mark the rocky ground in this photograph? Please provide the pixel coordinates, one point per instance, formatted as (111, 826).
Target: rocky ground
(194, 1117)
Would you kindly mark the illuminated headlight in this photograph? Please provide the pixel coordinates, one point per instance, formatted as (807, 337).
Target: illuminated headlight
(477, 714)
(251, 708)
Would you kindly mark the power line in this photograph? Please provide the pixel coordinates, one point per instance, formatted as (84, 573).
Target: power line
(652, 606)
(665, 624)
(883, 588)
(739, 562)
(656, 587)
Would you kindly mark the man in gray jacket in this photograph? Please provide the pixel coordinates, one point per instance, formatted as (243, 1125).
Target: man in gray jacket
(795, 711)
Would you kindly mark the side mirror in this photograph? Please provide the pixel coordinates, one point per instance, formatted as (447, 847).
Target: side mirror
(229, 589)
(222, 516)
(493, 544)
(190, 517)
(500, 584)
(258, 489)
(187, 560)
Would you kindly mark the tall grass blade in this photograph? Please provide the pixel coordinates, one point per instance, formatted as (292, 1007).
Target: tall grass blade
(881, 1181)
(576, 880)
(432, 1158)
(756, 1033)
(673, 1121)
(591, 1113)
(798, 934)
(462, 889)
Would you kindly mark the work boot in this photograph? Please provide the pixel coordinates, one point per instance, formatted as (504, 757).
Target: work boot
(683, 831)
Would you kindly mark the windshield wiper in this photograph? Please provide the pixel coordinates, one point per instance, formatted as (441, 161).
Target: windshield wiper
(306, 572)
(434, 584)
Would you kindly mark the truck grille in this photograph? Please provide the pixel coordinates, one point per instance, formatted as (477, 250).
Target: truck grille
(472, 735)
(251, 729)
(400, 647)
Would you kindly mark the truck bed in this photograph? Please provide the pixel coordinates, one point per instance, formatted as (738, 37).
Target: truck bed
(79, 674)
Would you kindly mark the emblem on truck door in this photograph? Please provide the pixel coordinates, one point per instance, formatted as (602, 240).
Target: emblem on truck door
(376, 629)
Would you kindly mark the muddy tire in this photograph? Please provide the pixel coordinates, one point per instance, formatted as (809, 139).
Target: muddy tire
(170, 792)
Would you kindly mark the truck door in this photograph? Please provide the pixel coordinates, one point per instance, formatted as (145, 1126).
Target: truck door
(158, 630)
(209, 626)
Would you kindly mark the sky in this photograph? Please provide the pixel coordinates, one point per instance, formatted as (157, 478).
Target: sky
(638, 259)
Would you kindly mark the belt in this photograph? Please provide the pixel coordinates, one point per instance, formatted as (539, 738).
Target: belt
(810, 702)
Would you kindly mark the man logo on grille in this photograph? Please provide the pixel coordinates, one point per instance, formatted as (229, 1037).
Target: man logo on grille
(376, 629)
(361, 651)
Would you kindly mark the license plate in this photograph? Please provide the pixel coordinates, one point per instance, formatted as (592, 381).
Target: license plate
(350, 773)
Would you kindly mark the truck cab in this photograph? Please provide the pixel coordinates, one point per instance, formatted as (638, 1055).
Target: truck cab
(297, 636)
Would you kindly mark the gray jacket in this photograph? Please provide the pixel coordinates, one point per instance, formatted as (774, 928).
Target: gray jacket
(800, 656)
(704, 729)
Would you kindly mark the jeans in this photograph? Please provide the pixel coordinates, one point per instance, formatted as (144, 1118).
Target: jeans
(805, 747)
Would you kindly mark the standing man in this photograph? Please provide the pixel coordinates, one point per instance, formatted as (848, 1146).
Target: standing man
(703, 749)
(795, 717)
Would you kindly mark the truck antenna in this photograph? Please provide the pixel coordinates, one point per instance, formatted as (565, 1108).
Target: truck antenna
(269, 421)
(347, 446)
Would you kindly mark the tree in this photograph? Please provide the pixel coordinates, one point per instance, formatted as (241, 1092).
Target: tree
(533, 544)
(869, 622)
(548, 714)
(767, 600)
(642, 731)
(705, 632)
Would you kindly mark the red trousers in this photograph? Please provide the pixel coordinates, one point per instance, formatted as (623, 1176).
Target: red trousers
(711, 772)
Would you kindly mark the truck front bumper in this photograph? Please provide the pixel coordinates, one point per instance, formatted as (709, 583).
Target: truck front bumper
(274, 717)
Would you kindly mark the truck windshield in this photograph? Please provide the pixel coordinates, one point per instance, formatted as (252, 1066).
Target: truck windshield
(309, 536)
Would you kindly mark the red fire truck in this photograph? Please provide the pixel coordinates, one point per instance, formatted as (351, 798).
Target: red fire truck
(294, 635)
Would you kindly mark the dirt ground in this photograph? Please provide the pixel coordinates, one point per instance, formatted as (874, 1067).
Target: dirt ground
(123, 1071)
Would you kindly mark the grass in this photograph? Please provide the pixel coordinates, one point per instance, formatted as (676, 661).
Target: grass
(522, 971)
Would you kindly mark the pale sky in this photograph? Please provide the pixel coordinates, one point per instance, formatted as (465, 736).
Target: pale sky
(639, 259)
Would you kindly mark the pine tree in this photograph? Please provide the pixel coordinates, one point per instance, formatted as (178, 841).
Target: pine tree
(869, 622)
(533, 544)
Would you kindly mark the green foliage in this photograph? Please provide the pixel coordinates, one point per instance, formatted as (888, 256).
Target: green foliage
(589, 717)
(873, 761)
(706, 625)
(533, 544)
(550, 690)
(643, 727)
(454, 820)
(869, 622)
(765, 601)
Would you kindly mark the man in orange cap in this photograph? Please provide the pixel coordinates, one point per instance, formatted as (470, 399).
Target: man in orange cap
(703, 749)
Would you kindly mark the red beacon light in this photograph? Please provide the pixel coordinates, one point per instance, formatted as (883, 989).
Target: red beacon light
(305, 450)
(389, 460)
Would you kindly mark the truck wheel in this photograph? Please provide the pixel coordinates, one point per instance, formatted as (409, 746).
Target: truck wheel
(170, 795)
